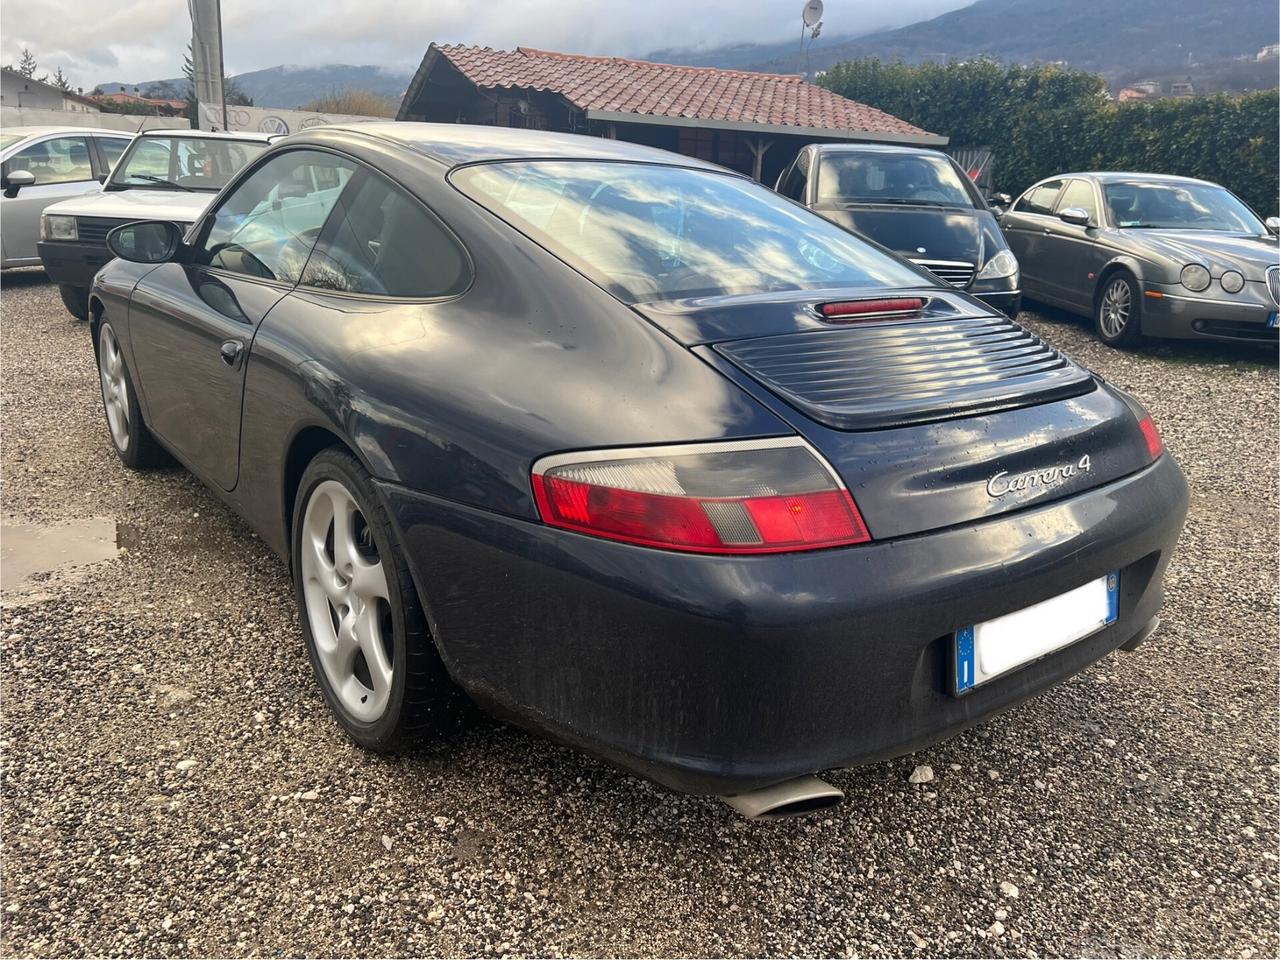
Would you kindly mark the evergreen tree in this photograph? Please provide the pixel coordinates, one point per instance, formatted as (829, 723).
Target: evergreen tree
(27, 65)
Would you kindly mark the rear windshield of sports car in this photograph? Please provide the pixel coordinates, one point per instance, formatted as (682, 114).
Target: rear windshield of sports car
(651, 232)
(183, 163)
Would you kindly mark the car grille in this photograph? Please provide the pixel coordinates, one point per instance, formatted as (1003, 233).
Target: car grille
(95, 229)
(1273, 284)
(895, 373)
(955, 272)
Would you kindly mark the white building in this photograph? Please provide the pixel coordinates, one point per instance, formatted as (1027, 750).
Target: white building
(19, 91)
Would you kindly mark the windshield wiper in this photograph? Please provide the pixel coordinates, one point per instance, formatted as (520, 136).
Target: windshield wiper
(159, 180)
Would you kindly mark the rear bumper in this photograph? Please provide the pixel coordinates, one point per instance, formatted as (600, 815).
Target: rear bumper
(71, 262)
(1244, 318)
(718, 675)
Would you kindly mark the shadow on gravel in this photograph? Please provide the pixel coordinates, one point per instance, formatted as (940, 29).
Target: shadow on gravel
(24, 277)
(1174, 351)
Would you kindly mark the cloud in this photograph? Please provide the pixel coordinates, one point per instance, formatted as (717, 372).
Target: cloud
(141, 40)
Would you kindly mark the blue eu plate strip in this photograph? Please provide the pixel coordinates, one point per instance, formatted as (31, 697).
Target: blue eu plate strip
(1274, 319)
(1113, 597)
(964, 659)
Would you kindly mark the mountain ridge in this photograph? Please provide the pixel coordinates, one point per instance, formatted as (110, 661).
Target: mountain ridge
(290, 86)
(1150, 36)
(1153, 39)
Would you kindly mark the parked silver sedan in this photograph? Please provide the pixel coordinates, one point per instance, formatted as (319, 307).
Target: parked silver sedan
(42, 165)
(1145, 254)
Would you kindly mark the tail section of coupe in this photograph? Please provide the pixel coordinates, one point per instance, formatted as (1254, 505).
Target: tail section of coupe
(633, 452)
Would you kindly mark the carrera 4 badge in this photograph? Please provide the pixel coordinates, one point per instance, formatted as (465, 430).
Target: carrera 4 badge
(1004, 482)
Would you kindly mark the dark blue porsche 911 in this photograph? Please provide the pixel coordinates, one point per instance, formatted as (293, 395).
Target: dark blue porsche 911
(630, 450)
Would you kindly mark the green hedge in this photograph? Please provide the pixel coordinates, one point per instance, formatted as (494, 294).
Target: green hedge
(1046, 120)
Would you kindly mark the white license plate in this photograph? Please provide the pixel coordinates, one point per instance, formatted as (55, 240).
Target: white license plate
(986, 650)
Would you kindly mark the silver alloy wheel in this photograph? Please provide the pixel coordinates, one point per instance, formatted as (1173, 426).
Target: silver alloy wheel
(347, 603)
(1113, 312)
(115, 388)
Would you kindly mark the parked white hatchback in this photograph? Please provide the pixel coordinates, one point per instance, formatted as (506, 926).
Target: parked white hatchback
(164, 175)
(40, 166)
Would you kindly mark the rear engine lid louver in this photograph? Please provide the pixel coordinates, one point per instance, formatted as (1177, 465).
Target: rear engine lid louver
(867, 377)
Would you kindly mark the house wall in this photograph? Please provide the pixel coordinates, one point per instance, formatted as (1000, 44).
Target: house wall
(35, 117)
(18, 91)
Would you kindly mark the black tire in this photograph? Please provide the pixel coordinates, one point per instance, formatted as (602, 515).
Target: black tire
(423, 700)
(135, 446)
(75, 299)
(1118, 321)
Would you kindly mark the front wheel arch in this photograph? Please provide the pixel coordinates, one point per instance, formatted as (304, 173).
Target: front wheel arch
(1128, 264)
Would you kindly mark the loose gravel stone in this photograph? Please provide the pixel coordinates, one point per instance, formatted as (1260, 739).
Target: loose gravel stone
(507, 843)
(921, 774)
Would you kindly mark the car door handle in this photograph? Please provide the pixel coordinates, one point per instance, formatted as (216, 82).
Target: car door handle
(1047, 231)
(231, 352)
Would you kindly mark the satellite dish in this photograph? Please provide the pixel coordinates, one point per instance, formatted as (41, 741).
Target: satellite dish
(812, 12)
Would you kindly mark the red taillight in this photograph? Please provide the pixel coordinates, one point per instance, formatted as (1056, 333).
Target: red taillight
(1155, 446)
(749, 497)
(871, 309)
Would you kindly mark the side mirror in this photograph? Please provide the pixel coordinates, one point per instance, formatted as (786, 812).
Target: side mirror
(1074, 215)
(16, 181)
(147, 241)
(1273, 225)
(1001, 200)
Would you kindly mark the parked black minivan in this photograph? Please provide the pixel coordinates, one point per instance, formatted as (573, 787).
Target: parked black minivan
(916, 202)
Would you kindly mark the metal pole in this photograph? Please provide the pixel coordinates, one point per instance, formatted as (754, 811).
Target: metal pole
(222, 70)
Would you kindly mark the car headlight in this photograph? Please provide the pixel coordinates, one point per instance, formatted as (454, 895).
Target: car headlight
(1195, 277)
(55, 227)
(1003, 264)
(1232, 281)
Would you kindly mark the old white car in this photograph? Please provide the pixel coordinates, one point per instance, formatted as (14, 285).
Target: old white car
(164, 175)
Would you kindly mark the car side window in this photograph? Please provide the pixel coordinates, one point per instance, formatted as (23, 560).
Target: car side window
(111, 150)
(794, 182)
(1039, 199)
(1079, 194)
(268, 224)
(383, 242)
(60, 160)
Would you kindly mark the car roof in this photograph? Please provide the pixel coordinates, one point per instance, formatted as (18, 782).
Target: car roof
(1114, 176)
(29, 132)
(209, 134)
(453, 144)
(876, 148)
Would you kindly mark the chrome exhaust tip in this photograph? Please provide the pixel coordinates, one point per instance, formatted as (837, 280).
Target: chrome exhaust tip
(791, 798)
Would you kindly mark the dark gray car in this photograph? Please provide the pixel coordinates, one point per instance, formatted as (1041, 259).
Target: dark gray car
(918, 203)
(1146, 254)
(633, 450)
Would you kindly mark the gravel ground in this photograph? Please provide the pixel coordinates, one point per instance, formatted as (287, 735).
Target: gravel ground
(173, 785)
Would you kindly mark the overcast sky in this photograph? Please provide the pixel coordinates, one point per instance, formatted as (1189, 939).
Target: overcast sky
(134, 40)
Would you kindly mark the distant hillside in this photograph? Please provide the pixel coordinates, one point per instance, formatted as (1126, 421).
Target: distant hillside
(746, 56)
(1098, 35)
(290, 87)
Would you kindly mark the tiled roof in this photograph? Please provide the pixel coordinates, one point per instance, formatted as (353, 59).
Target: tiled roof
(618, 85)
